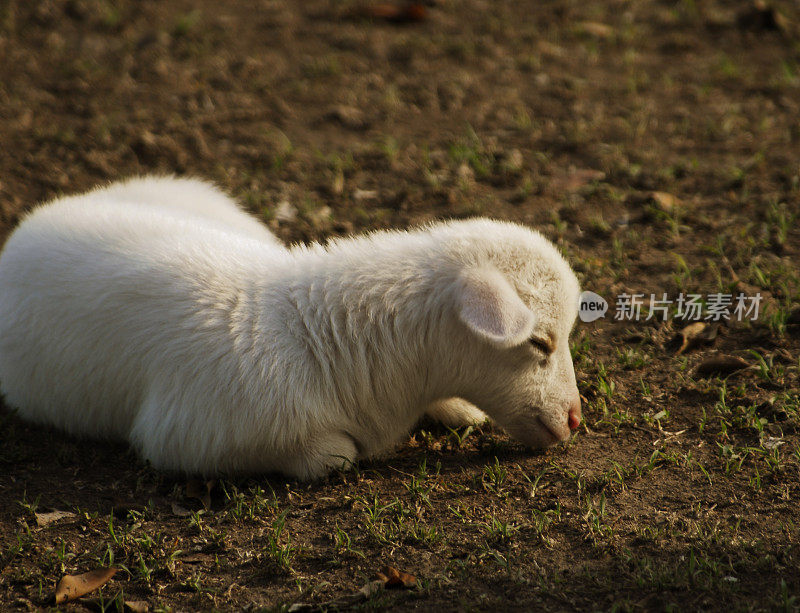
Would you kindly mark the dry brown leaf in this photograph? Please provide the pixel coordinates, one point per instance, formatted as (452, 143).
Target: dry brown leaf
(410, 12)
(365, 194)
(74, 586)
(395, 578)
(697, 333)
(721, 365)
(180, 511)
(137, 606)
(371, 588)
(337, 185)
(367, 591)
(285, 212)
(45, 519)
(350, 117)
(197, 558)
(596, 29)
(387, 577)
(663, 201)
(576, 179)
(550, 49)
(649, 202)
(748, 289)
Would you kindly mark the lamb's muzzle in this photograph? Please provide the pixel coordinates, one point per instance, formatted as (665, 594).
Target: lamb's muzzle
(561, 428)
(574, 414)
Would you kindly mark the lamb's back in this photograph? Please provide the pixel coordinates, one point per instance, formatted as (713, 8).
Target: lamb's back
(98, 303)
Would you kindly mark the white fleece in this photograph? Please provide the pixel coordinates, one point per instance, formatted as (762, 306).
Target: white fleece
(156, 311)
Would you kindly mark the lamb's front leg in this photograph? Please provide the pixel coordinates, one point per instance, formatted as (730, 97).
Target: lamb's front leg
(322, 454)
(456, 412)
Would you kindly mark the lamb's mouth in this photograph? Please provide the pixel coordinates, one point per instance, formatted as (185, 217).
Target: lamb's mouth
(555, 438)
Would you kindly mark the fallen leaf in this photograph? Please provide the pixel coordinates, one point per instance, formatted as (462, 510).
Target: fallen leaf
(546, 48)
(396, 578)
(721, 365)
(576, 179)
(410, 12)
(337, 185)
(512, 162)
(747, 288)
(321, 217)
(387, 577)
(350, 117)
(137, 606)
(45, 519)
(284, 211)
(371, 588)
(74, 586)
(663, 201)
(772, 442)
(364, 194)
(197, 558)
(697, 333)
(180, 511)
(596, 29)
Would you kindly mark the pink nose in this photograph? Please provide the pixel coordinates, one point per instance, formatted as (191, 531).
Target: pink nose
(574, 415)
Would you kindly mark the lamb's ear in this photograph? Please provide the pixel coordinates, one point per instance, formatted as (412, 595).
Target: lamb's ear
(490, 307)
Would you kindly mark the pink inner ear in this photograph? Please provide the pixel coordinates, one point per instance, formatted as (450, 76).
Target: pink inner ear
(493, 310)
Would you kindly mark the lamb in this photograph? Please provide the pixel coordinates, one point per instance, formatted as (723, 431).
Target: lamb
(156, 311)
(198, 198)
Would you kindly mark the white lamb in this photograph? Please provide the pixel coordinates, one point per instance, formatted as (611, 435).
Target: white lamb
(157, 311)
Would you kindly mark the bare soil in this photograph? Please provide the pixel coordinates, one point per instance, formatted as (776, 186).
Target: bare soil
(656, 142)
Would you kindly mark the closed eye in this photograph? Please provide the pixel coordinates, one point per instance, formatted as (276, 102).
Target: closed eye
(543, 345)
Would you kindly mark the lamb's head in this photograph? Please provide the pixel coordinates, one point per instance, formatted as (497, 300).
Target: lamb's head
(517, 303)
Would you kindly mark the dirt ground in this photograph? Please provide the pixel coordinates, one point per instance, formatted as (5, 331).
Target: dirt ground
(656, 142)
